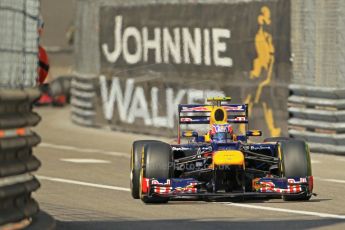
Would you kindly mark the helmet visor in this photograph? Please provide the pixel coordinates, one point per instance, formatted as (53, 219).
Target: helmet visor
(222, 137)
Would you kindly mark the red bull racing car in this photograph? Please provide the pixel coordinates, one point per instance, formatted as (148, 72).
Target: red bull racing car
(218, 163)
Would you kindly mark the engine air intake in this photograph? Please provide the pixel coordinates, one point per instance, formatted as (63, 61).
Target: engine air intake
(218, 115)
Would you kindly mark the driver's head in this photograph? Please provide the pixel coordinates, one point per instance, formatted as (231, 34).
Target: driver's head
(221, 133)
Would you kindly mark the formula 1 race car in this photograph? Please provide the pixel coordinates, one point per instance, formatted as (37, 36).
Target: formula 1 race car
(219, 163)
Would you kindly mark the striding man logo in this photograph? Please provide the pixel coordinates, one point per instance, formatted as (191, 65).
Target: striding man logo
(263, 68)
(263, 44)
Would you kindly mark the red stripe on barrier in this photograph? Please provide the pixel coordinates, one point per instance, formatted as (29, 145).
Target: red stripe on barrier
(20, 132)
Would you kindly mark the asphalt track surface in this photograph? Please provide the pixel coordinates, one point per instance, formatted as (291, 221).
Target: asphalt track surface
(85, 185)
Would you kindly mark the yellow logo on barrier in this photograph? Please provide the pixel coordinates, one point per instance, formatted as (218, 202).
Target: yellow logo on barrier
(263, 44)
(263, 64)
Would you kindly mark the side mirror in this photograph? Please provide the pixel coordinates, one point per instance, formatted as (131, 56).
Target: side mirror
(254, 133)
(190, 134)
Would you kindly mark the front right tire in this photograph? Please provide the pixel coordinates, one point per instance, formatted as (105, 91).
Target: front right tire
(135, 165)
(157, 162)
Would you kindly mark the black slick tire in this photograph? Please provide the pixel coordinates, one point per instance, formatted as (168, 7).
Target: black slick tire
(135, 166)
(157, 162)
(295, 163)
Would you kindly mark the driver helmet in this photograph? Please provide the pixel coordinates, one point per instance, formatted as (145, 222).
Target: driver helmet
(221, 133)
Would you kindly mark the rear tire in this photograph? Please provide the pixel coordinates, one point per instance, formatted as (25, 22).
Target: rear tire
(157, 163)
(295, 162)
(136, 153)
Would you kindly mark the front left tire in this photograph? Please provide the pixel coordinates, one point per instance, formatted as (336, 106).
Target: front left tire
(295, 163)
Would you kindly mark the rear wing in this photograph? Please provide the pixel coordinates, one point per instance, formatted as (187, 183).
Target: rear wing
(220, 110)
(200, 114)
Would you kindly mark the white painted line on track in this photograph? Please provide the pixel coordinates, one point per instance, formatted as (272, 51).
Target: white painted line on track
(315, 162)
(66, 181)
(85, 161)
(250, 206)
(318, 214)
(330, 180)
(83, 150)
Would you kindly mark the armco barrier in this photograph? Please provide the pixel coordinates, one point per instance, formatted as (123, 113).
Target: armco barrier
(317, 115)
(82, 101)
(17, 161)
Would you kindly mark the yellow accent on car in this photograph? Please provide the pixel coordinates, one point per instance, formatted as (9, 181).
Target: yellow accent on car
(280, 156)
(256, 132)
(228, 157)
(255, 184)
(218, 115)
(207, 138)
(210, 99)
(187, 133)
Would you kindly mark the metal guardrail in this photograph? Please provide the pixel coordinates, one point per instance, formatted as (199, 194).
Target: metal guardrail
(17, 161)
(83, 108)
(317, 115)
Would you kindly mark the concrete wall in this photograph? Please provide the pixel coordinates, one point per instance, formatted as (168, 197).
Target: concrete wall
(235, 48)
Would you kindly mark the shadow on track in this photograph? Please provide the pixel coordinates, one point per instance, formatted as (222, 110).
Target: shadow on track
(271, 201)
(198, 224)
